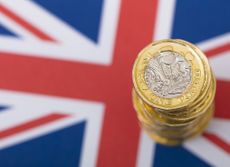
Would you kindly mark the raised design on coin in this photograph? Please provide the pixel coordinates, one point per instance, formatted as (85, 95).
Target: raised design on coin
(168, 74)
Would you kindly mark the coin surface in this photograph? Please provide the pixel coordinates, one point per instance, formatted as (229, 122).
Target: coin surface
(174, 90)
(168, 74)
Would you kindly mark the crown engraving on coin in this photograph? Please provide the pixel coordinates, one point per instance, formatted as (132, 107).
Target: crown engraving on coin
(168, 74)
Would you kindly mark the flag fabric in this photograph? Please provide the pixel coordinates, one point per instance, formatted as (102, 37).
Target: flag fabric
(65, 86)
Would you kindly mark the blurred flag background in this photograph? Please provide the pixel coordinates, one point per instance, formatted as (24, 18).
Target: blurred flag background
(65, 86)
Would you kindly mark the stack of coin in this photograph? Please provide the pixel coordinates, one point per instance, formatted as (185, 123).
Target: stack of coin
(174, 90)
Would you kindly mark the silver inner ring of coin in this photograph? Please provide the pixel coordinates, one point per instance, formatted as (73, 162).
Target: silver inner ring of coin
(168, 74)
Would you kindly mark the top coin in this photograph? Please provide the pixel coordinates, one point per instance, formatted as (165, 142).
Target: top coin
(169, 74)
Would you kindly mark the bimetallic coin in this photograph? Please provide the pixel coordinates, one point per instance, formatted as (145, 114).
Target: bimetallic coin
(168, 74)
(174, 90)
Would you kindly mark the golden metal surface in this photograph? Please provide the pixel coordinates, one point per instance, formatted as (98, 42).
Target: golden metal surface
(197, 74)
(173, 118)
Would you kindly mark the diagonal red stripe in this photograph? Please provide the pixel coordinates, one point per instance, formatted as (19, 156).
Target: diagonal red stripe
(25, 24)
(217, 50)
(31, 124)
(218, 141)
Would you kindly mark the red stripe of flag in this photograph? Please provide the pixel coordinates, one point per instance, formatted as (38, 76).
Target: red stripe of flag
(217, 50)
(218, 141)
(25, 24)
(31, 124)
(120, 133)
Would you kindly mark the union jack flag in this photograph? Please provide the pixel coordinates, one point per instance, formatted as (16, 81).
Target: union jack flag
(65, 86)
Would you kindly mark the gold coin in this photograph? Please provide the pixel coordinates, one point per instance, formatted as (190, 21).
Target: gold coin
(170, 138)
(152, 119)
(157, 57)
(174, 90)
